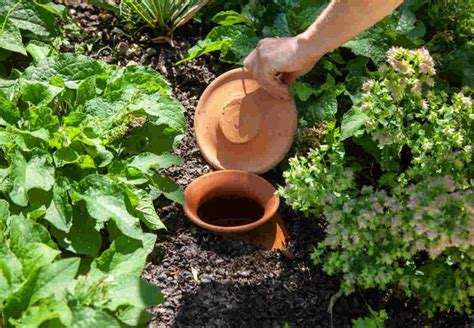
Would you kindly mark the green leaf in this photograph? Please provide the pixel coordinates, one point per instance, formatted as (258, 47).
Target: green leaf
(147, 212)
(371, 44)
(241, 47)
(82, 238)
(9, 114)
(29, 140)
(38, 93)
(304, 14)
(29, 16)
(36, 173)
(322, 108)
(407, 20)
(352, 122)
(279, 28)
(136, 292)
(44, 311)
(86, 90)
(123, 263)
(168, 188)
(302, 90)
(71, 68)
(125, 257)
(45, 282)
(107, 200)
(219, 38)
(235, 42)
(231, 17)
(133, 316)
(38, 50)
(147, 161)
(59, 212)
(24, 231)
(35, 255)
(10, 39)
(11, 272)
(164, 109)
(459, 66)
(69, 155)
(40, 117)
(86, 317)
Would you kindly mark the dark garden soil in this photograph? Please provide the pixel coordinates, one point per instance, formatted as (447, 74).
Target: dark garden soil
(209, 281)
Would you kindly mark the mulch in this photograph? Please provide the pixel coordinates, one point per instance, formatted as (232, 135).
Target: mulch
(209, 281)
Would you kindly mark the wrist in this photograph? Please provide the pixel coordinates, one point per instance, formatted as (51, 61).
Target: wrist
(308, 46)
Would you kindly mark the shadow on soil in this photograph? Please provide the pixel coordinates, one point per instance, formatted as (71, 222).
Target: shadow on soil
(294, 291)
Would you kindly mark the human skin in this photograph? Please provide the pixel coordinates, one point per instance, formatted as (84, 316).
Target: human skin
(277, 62)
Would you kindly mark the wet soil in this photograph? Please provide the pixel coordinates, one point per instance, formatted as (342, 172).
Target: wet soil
(209, 281)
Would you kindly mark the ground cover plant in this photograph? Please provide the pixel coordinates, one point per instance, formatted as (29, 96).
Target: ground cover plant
(23, 20)
(79, 144)
(412, 225)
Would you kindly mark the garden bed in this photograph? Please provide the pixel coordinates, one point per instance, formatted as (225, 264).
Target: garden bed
(209, 281)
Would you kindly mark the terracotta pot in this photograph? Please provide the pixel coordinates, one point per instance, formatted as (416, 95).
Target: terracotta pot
(220, 187)
(239, 126)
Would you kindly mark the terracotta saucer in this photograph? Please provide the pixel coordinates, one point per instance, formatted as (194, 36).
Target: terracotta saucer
(240, 126)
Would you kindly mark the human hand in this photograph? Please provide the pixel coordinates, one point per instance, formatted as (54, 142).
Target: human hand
(289, 56)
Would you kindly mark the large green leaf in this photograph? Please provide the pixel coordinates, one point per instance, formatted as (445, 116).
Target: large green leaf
(82, 237)
(35, 255)
(45, 311)
(30, 16)
(11, 272)
(71, 68)
(38, 93)
(123, 263)
(86, 317)
(108, 200)
(24, 231)
(46, 281)
(371, 44)
(36, 173)
(59, 212)
(321, 108)
(10, 39)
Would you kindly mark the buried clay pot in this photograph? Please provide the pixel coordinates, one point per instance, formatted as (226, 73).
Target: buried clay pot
(239, 126)
(230, 202)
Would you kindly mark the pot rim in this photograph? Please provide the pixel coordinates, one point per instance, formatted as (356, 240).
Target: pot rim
(235, 229)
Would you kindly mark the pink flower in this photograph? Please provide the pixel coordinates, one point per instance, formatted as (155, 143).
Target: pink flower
(416, 87)
(367, 85)
(425, 105)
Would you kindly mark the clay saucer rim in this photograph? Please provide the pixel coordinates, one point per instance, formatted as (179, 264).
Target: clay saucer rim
(236, 229)
(200, 143)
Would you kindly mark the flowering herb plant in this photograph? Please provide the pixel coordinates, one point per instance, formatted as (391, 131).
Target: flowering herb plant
(412, 226)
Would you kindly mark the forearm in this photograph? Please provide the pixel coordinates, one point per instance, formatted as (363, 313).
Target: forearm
(341, 21)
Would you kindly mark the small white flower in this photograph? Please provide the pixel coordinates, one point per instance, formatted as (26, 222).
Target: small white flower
(466, 101)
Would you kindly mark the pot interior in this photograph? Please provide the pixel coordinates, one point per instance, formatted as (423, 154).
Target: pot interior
(230, 210)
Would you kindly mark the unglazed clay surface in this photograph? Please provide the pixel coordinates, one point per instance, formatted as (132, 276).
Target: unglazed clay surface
(240, 126)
